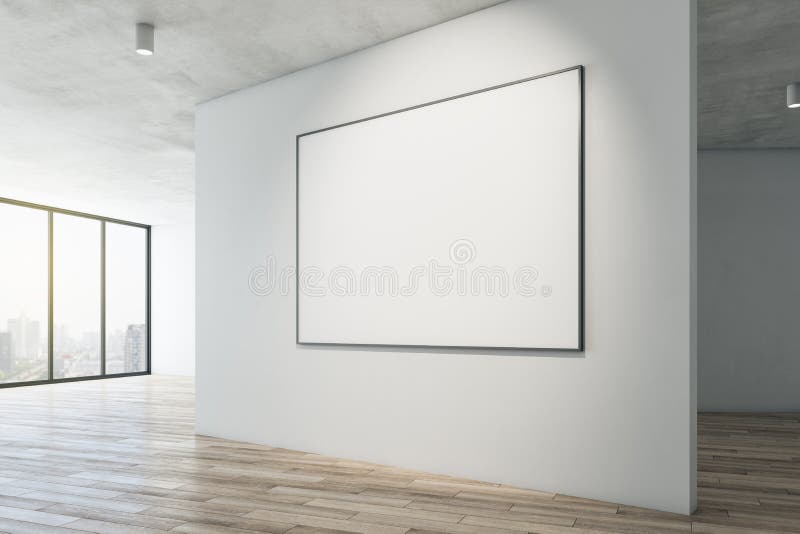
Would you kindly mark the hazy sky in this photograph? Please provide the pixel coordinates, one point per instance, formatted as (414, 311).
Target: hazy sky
(76, 270)
(126, 276)
(23, 263)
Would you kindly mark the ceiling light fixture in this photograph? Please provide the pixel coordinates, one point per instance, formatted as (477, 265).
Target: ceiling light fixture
(144, 38)
(793, 95)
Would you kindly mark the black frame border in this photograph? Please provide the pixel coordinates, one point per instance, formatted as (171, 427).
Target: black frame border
(581, 223)
(50, 210)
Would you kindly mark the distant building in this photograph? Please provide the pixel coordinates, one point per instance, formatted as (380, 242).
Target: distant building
(90, 341)
(6, 355)
(25, 338)
(115, 345)
(135, 348)
(33, 340)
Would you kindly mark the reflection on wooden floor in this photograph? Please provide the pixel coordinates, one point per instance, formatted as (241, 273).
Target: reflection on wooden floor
(120, 456)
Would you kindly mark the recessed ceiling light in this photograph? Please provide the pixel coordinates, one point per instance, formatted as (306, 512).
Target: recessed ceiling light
(793, 95)
(144, 38)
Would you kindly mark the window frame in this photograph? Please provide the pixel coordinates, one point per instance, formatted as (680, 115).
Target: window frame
(148, 329)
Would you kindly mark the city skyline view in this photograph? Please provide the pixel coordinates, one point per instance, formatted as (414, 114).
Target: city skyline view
(77, 296)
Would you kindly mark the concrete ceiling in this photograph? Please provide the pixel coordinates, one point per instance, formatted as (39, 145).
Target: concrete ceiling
(747, 52)
(88, 124)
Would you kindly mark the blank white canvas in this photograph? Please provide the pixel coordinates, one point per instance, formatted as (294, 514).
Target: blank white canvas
(482, 184)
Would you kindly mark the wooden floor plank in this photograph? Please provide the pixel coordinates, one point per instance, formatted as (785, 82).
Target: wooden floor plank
(35, 516)
(121, 456)
(136, 520)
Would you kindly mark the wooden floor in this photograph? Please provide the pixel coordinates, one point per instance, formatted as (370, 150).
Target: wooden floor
(120, 456)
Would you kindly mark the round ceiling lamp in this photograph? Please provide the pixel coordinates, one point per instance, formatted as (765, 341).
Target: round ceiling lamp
(144, 38)
(793, 95)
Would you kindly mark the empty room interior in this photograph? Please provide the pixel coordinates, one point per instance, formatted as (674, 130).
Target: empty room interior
(400, 266)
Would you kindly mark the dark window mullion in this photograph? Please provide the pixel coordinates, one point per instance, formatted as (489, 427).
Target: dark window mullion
(148, 296)
(50, 328)
(102, 298)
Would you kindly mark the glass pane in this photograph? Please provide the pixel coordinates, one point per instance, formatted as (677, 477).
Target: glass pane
(23, 294)
(76, 296)
(126, 299)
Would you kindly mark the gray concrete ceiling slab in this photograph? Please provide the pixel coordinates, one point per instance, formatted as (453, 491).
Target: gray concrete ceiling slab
(88, 124)
(748, 51)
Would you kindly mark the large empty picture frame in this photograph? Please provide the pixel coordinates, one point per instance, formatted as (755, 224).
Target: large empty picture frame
(454, 223)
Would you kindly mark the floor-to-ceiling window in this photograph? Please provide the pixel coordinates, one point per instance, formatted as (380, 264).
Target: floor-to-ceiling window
(126, 299)
(23, 294)
(74, 295)
(77, 287)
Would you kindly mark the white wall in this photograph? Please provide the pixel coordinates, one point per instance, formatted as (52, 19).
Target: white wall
(613, 423)
(749, 288)
(173, 299)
